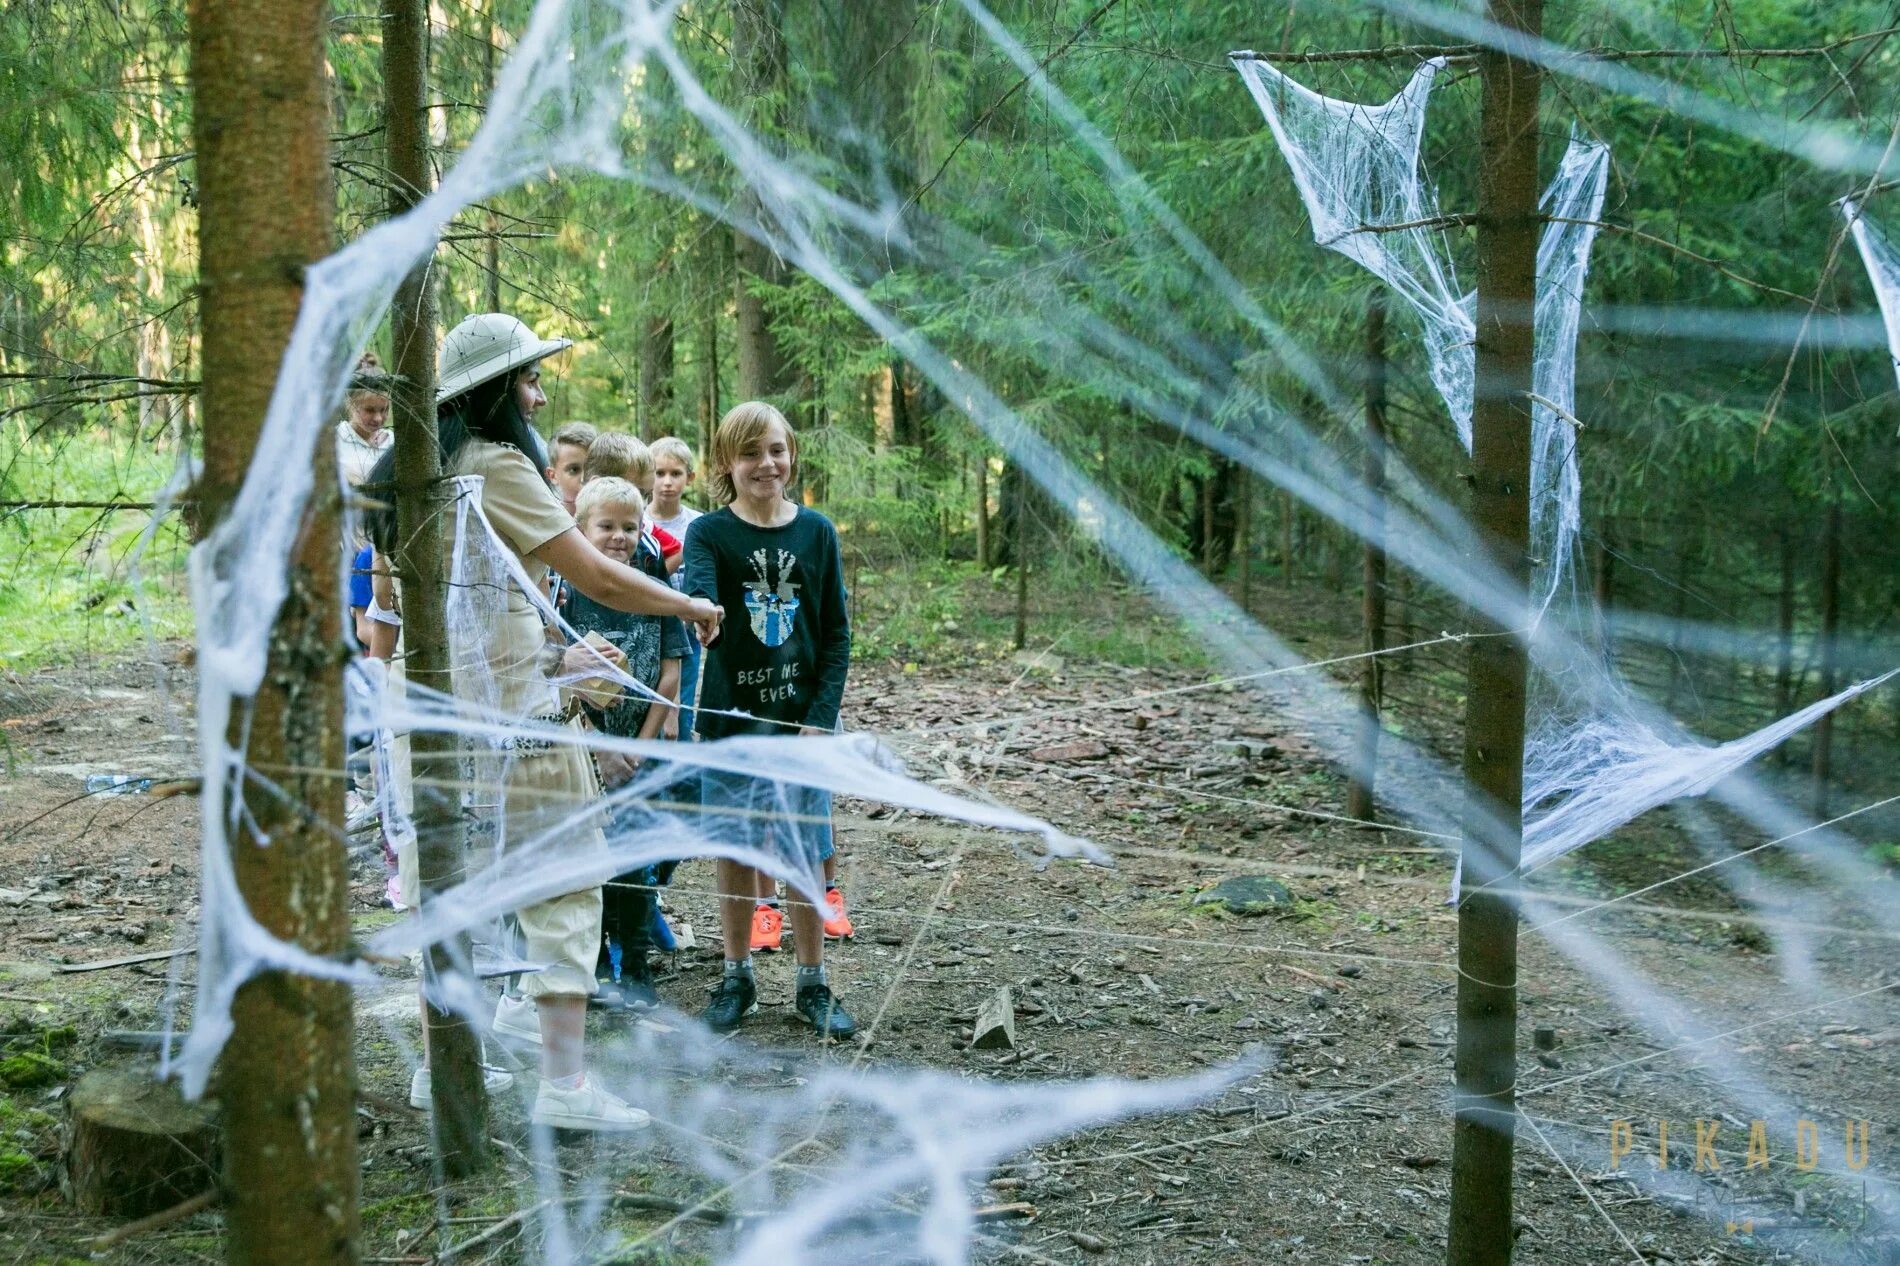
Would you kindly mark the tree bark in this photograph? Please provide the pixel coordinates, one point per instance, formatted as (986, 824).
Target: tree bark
(288, 1081)
(758, 57)
(1605, 584)
(1485, 1061)
(1243, 535)
(491, 243)
(1784, 640)
(1362, 786)
(983, 511)
(1286, 540)
(1829, 652)
(460, 1118)
(656, 376)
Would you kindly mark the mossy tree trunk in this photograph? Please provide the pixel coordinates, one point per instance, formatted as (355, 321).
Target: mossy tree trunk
(288, 1081)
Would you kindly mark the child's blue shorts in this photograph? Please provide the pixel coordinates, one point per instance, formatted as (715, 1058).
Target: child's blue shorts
(788, 820)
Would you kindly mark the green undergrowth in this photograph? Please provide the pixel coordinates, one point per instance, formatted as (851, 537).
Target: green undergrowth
(939, 613)
(76, 584)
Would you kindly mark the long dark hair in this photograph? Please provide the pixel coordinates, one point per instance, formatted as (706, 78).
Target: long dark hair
(485, 411)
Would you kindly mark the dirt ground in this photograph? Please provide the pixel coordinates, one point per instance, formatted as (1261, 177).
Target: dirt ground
(1337, 1151)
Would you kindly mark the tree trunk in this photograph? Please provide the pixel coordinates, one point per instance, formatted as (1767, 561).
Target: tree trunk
(1243, 535)
(1605, 590)
(983, 511)
(1286, 540)
(1019, 543)
(709, 410)
(460, 1119)
(1210, 551)
(1784, 644)
(288, 1081)
(1678, 664)
(656, 377)
(758, 58)
(1830, 629)
(1361, 787)
(491, 242)
(1485, 1062)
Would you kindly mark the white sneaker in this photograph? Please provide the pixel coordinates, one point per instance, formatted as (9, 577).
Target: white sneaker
(494, 1081)
(517, 1021)
(587, 1107)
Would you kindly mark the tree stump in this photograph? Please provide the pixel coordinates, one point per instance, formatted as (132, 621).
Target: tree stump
(134, 1146)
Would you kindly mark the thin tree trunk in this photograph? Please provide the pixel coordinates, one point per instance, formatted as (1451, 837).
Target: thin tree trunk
(460, 1118)
(491, 243)
(1678, 666)
(1363, 784)
(288, 1079)
(1021, 547)
(1286, 540)
(1830, 631)
(1605, 590)
(1243, 534)
(1210, 554)
(1784, 644)
(983, 511)
(1485, 1061)
(709, 417)
(758, 58)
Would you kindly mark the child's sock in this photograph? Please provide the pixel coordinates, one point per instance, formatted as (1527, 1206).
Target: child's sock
(741, 967)
(567, 1083)
(831, 885)
(811, 976)
(770, 901)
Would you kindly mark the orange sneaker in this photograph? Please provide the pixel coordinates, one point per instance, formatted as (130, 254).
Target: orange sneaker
(768, 928)
(837, 922)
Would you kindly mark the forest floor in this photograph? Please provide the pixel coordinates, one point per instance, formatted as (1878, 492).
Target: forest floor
(1335, 1150)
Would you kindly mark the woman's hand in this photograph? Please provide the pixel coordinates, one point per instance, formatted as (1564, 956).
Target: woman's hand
(615, 769)
(584, 658)
(705, 616)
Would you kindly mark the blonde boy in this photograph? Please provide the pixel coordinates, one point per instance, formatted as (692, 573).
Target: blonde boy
(567, 452)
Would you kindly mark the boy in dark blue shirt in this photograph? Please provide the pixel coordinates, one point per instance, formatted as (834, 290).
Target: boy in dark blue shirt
(609, 513)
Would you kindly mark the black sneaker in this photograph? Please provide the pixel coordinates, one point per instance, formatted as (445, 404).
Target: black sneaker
(826, 1013)
(607, 995)
(636, 983)
(735, 998)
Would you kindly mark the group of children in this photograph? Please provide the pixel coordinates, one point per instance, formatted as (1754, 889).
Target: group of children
(781, 670)
(777, 667)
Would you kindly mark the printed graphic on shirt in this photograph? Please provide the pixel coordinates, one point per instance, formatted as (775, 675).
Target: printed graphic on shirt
(771, 598)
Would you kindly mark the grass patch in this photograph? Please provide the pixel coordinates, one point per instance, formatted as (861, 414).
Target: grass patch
(936, 611)
(76, 583)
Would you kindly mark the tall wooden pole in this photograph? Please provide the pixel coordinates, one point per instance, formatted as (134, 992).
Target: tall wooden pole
(1243, 534)
(288, 1080)
(1485, 1061)
(1362, 785)
(460, 1118)
(983, 511)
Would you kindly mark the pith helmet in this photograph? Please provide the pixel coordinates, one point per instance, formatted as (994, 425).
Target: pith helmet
(486, 346)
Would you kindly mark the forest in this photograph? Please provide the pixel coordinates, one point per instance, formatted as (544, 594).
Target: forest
(1368, 536)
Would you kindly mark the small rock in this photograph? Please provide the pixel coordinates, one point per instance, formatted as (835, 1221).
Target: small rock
(1084, 749)
(1247, 895)
(1548, 1060)
(1351, 971)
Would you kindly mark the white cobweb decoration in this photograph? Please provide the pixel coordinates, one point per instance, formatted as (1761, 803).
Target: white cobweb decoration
(1596, 756)
(1882, 259)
